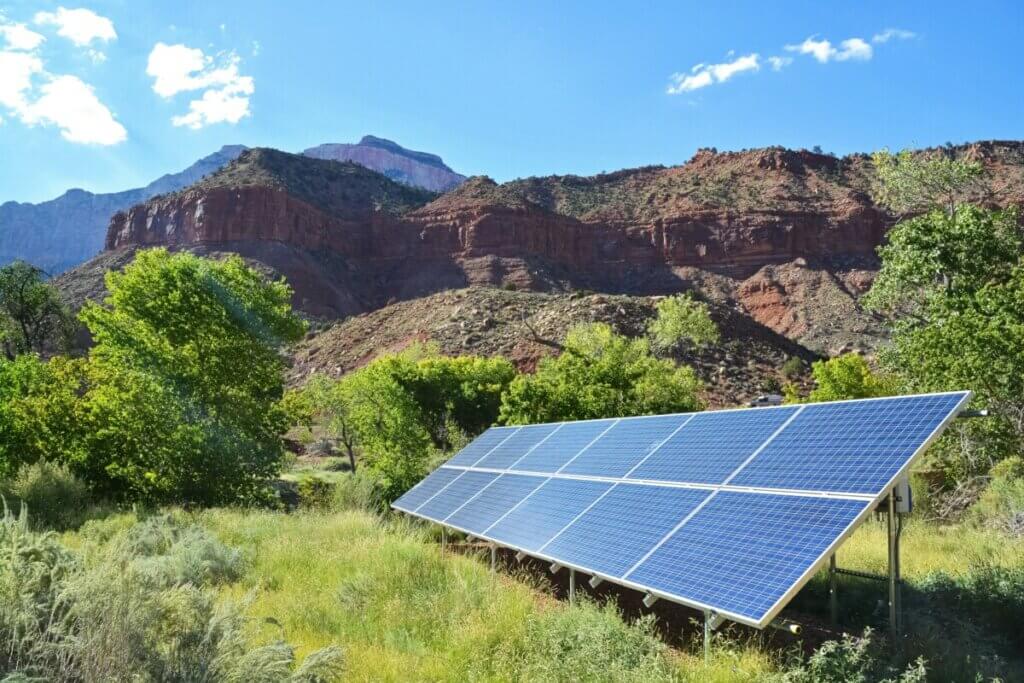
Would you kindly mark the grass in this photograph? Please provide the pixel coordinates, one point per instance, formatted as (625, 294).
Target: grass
(381, 589)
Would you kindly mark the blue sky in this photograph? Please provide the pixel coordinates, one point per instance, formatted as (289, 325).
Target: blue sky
(116, 95)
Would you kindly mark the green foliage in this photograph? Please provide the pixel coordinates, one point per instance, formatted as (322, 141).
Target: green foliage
(315, 493)
(600, 374)
(847, 377)
(850, 660)
(1001, 506)
(55, 497)
(990, 594)
(680, 319)
(944, 254)
(402, 408)
(586, 643)
(792, 368)
(140, 605)
(185, 380)
(32, 315)
(912, 183)
(40, 410)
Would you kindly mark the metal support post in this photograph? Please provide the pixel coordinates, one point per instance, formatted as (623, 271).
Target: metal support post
(444, 539)
(494, 558)
(707, 638)
(833, 597)
(572, 586)
(893, 567)
(899, 576)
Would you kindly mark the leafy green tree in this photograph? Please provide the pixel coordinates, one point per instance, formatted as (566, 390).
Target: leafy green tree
(32, 315)
(681, 318)
(324, 402)
(600, 374)
(40, 410)
(185, 380)
(846, 377)
(944, 254)
(909, 182)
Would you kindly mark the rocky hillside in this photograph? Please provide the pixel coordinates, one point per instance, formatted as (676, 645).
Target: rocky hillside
(517, 325)
(418, 169)
(785, 238)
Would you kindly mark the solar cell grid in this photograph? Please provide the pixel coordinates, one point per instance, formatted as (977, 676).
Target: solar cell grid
(743, 551)
(481, 445)
(562, 445)
(431, 484)
(545, 512)
(622, 526)
(454, 495)
(492, 502)
(853, 447)
(709, 447)
(624, 445)
(516, 446)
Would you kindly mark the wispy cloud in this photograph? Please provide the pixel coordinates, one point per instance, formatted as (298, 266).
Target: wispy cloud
(179, 68)
(893, 34)
(703, 75)
(34, 96)
(824, 51)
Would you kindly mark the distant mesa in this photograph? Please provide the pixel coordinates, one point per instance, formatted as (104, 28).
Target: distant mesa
(419, 169)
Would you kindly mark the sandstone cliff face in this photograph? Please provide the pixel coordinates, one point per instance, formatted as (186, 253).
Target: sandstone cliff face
(789, 238)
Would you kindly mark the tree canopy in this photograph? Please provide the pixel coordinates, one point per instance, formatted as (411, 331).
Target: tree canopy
(32, 315)
(600, 374)
(681, 318)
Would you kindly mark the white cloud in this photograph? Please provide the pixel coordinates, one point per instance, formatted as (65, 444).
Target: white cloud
(19, 36)
(16, 72)
(703, 75)
(824, 51)
(80, 26)
(71, 105)
(778, 63)
(34, 96)
(179, 68)
(893, 33)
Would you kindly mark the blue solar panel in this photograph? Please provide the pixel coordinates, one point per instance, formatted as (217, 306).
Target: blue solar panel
(516, 446)
(852, 447)
(455, 494)
(545, 512)
(434, 482)
(743, 551)
(493, 502)
(561, 446)
(481, 445)
(712, 445)
(624, 445)
(621, 527)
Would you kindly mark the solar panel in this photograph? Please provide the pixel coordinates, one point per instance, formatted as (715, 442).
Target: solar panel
(492, 502)
(451, 497)
(427, 488)
(544, 512)
(481, 446)
(621, 527)
(730, 511)
(562, 446)
(698, 452)
(851, 447)
(624, 445)
(743, 551)
(516, 446)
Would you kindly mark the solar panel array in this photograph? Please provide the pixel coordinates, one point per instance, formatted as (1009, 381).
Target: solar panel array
(730, 511)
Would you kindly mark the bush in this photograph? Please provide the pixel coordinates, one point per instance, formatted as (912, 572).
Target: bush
(55, 498)
(139, 604)
(850, 660)
(315, 493)
(360, 491)
(1001, 506)
(793, 368)
(989, 594)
